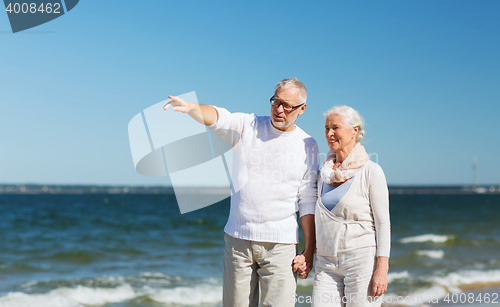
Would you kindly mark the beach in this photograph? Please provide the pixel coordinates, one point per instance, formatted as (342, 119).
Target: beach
(136, 250)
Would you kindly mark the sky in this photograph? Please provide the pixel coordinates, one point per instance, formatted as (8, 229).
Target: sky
(425, 75)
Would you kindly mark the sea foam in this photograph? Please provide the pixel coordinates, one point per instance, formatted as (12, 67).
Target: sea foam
(397, 275)
(427, 238)
(442, 285)
(158, 287)
(468, 277)
(435, 254)
(69, 297)
(196, 295)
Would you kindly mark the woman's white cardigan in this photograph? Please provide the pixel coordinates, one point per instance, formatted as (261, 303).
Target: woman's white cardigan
(360, 219)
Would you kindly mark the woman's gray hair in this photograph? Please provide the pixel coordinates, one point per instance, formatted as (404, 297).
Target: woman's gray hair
(290, 83)
(351, 117)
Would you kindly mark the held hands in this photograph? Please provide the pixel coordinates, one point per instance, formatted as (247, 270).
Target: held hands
(302, 266)
(179, 104)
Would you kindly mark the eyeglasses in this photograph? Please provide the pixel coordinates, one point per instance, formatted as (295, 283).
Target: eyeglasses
(278, 102)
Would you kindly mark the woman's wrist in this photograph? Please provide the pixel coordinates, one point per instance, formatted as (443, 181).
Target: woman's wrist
(382, 264)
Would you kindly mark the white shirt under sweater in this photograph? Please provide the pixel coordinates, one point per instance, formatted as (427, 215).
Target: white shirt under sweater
(274, 176)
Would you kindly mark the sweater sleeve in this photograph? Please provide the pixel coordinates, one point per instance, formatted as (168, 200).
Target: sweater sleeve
(379, 201)
(308, 187)
(229, 126)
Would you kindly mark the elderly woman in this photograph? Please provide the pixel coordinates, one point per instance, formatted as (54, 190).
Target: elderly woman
(352, 219)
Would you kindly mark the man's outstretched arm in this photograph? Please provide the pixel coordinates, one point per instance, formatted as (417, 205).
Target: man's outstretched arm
(203, 114)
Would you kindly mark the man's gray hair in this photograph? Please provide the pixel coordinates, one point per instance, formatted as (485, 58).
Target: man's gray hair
(290, 83)
(351, 118)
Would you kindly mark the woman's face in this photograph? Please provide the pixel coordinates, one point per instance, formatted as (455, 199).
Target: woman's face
(339, 135)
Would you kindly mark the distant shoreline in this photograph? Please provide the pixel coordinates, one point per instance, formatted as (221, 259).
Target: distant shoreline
(102, 189)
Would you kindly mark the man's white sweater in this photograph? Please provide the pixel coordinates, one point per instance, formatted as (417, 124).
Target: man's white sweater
(274, 176)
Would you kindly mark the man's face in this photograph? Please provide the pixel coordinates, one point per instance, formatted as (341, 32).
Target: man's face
(285, 120)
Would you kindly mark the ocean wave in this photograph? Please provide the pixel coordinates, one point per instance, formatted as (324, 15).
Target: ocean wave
(155, 279)
(453, 282)
(196, 295)
(427, 238)
(466, 278)
(435, 254)
(69, 297)
(146, 279)
(158, 287)
(397, 275)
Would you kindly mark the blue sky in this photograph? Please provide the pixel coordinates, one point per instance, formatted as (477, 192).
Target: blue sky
(425, 75)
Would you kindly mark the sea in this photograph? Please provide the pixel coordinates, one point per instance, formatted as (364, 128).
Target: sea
(137, 250)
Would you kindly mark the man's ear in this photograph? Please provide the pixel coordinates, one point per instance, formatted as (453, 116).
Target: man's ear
(302, 109)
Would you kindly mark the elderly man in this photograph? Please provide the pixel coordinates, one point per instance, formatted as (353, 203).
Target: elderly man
(275, 164)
